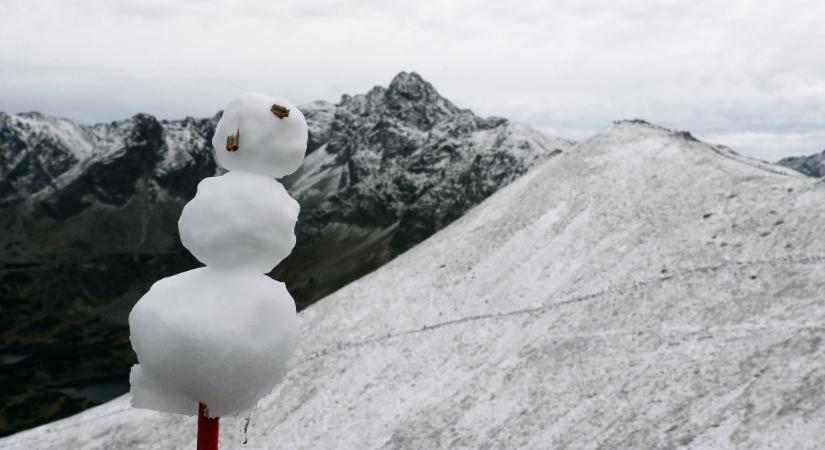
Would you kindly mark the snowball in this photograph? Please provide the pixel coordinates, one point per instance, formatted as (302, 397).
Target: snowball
(240, 220)
(266, 144)
(220, 337)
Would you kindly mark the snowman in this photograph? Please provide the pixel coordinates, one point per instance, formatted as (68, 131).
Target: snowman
(220, 335)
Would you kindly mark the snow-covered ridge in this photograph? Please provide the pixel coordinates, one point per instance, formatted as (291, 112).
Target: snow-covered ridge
(642, 126)
(641, 290)
(44, 155)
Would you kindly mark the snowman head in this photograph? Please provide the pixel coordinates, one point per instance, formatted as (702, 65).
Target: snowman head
(260, 134)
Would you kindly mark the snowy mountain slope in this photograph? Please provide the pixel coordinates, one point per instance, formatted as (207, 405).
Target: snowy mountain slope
(88, 218)
(811, 165)
(643, 290)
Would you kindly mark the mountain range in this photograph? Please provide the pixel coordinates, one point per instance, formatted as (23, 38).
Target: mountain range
(811, 165)
(642, 289)
(88, 220)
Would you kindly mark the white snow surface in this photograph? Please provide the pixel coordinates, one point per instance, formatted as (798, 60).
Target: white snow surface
(269, 145)
(213, 336)
(241, 221)
(642, 290)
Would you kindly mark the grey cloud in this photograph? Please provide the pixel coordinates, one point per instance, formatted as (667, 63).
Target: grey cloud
(749, 74)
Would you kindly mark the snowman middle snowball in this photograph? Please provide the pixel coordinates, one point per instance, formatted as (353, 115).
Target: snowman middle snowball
(241, 221)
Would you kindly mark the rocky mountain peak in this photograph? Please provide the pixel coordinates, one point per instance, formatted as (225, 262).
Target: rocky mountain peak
(416, 100)
(408, 99)
(411, 87)
(146, 128)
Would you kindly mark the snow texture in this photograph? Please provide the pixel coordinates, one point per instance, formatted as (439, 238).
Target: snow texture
(268, 145)
(221, 335)
(641, 290)
(241, 221)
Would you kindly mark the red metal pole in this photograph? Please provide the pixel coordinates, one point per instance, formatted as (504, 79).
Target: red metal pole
(207, 430)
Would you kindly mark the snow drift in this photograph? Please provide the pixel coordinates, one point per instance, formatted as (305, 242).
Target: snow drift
(642, 290)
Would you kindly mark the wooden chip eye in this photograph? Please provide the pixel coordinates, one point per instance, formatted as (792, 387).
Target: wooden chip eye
(279, 111)
(233, 141)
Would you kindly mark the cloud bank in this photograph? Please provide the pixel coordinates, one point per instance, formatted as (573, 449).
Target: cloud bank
(747, 74)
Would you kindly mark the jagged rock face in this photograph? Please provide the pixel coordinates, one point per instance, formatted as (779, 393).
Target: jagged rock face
(54, 161)
(30, 159)
(88, 214)
(812, 165)
(112, 181)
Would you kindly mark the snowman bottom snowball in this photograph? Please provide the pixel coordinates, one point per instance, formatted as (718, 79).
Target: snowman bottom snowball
(208, 335)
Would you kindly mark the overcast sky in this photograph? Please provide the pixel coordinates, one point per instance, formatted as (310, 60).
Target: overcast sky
(748, 74)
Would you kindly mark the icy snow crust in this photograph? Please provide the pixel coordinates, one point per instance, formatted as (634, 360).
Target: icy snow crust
(221, 335)
(642, 290)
